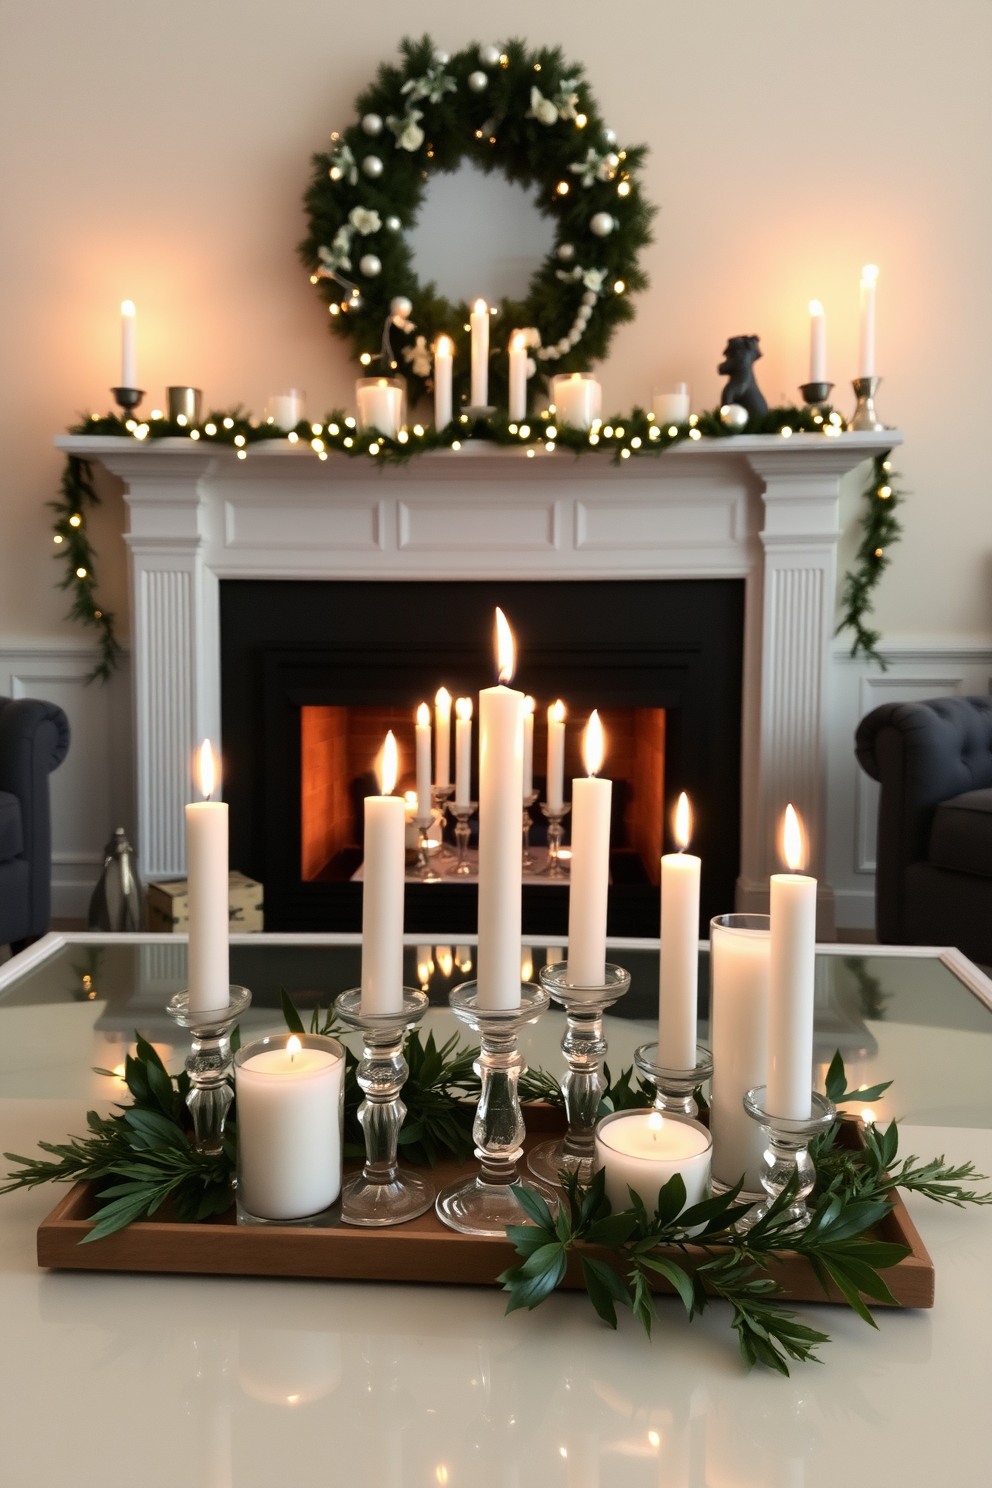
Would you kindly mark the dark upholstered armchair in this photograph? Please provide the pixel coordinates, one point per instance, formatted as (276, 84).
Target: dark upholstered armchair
(34, 739)
(933, 882)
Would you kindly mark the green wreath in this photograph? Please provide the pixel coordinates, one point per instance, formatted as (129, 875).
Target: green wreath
(527, 114)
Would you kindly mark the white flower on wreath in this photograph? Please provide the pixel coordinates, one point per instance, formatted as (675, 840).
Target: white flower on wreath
(541, 108)
(566, 99)
(344, 163)
(336, 257)
(409, 135)
(595, 167)
(365, 220)
(419, 357)
(432, 86)
(593, 279)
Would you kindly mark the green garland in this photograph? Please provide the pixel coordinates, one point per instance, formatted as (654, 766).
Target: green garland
(880, 528)
(74, 548)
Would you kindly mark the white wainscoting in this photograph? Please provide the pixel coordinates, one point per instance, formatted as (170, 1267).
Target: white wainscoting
(917, 670)
(93, 788)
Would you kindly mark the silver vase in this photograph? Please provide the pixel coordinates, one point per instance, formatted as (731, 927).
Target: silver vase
(116, 901)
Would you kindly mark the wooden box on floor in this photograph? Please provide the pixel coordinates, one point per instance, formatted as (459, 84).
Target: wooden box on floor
(168, 905)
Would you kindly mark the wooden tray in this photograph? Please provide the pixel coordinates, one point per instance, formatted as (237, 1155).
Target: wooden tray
(422, 1250)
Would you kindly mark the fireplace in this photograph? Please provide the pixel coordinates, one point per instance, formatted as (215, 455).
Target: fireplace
(314, 673)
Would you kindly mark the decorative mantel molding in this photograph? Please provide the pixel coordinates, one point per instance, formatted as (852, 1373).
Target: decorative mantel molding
(756, 507)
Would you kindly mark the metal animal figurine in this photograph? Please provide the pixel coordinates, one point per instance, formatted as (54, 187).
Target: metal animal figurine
(738, 360)
(116, 901)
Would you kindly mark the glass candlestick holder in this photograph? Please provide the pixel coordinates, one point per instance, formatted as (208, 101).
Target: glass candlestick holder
(556, 815)
(462, 812)
(787, 1154)
(383, 1193)
(209, 1064)
(675, 1087)
(425, 869)
(485, 1203)
(584, 1048)
(527, 857)
(440, 795)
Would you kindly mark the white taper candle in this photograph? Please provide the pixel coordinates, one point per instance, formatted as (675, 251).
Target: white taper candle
(590, 867)
(517, 404)
(479, 322)
(442, 737)
(463, 751)
(791, 979)
(443, 354)
(209, 913)
(382, 892)
(678, 957)
(555, 783)
(501, 759)
(129, 346)
(422, 734)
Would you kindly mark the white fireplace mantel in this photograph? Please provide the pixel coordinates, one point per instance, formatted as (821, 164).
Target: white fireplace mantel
(760, 507)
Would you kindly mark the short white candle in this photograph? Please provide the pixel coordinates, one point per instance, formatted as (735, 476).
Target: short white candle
(590, 870)
(866, 342)
(678, 957)
(528, 746)
(423, 740)
(209, 910)
(380, 406)
(443, 360)
(673, 407)
(463, 752)
(817, 342)
(479, 323)
(791, 979)
(287, 409)
(442, 737)
(578, 400)
(739, 968)
(642, 1150)
(289, 1126)
(517, 408)
(129, 346)
(383, 874)
(501, 771)
(555, 784)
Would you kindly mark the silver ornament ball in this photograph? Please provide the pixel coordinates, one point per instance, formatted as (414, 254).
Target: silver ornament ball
(566, 252)
(372, 124)
(733, 416)
(372, 166)
(370, 265)
(478, 82)
(442, 57)
(602, 224)
(400, 305)
(610, 136)
(490, 55)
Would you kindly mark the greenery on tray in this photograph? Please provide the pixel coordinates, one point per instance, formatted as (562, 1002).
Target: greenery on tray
(851, 1198)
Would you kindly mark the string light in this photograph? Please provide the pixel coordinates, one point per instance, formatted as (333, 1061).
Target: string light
(365, 359)
(623, 189)
(418, 429)
(317, 444)
(239, 439)
(242, 454)
(625, 454)
(75, 520)
(316, 428)
(695, 434)
(786, 432)
(210, 429)
(635, 443)
(373, 449)
(550, 446)
(350, 422)
(80, 573)
(619, 287)
(878, 552)
(58, 538)
(525, 431)
(293, 437)
(530, 454)
(593, 438)
(608, 432)
(333, 429)
(885, 492)
(402, 436)
(512, 428)
(348, 442)
(581, 121)
(562, 188)
(654, 432)
(194, 433)
(228, 423)
(456, 444)
(551, 432)
(672, 431)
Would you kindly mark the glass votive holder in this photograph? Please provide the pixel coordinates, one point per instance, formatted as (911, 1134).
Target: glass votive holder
(578, 399)
(184, 405)
(643, 1149)
(290, 1115)
(286, 409)
(381, 404)
(671, 407)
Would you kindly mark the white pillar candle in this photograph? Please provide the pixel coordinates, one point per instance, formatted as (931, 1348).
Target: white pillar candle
(383, 874)
(578, 400)
(443, 355)
(740, 947)
(817, 342)
(129, 346)
(791, 978)
(866, 341)
(678, 958)
(287, 409)
(517, 406)
(209, 913)
(289, 1092)
(501, 768)
(590, 871)
(463, 752)
(442, 737)
(642, 1150)
(380, 405)
(528, 747)
(423, 740)
(479, 322)
(673, 407)
(555, 783)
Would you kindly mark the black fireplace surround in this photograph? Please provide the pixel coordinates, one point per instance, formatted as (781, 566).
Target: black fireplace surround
(672, 644)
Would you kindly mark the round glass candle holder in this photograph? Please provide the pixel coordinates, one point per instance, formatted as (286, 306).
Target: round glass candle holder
(675, 1087)
(687, 1150)
(209, 1063)
(786, 1157)
(290, 1132)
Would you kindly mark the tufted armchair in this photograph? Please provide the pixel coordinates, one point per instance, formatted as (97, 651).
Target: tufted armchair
(34, 740)
(933, 881)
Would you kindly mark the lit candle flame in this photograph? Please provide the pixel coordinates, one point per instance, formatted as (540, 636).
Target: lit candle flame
(444, 347)
(869, 273)
(558, 712)
(208, 770)
(655, 1123)
(463, 708)
(683, 822)
(388, 766)
(529, 704)
(293, 1047)
(593, 744)
(518, 341)
(480, 308)
(868, 1116)
(127, 307)
(445, 960)
(505, 658)
(423, 716)
(443, 701)
(793, 847)
(815, 308)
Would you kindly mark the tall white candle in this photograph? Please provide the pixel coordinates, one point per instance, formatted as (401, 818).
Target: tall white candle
(442, 737)
(289, 1125)
(578, 400)
(791, 978)
(129, 346)
(739, 967)
(642, 1150)
(678, 958)
(382, 891)
(423, 740)
(463, 752)
(209, 913)
(866, 342)
(380, 405)
(817, 342)
(555, 783)
(501, 768)
(443, 356)
(528, 746)
(517, 408)
(479, 322)
(590, 870)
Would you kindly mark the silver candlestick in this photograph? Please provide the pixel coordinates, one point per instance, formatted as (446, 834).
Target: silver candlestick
(209, 1064)
(787, 1154)
(439, 800)
(864, 415)
(127, 398)
(815, 394)
(425, 868)
(527, 859)
(556, 815)
(675, 1087)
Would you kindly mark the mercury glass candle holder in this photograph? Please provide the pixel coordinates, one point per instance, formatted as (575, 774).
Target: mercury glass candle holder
(440, 794)
(556, 816)
(675, 1088)
(425, 869)
(462, 815)
(864, 415)
(527, 857)
(787, 1154)
(584, 1047)
(485, 1203)
(383, 1193)
(209, 1064)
